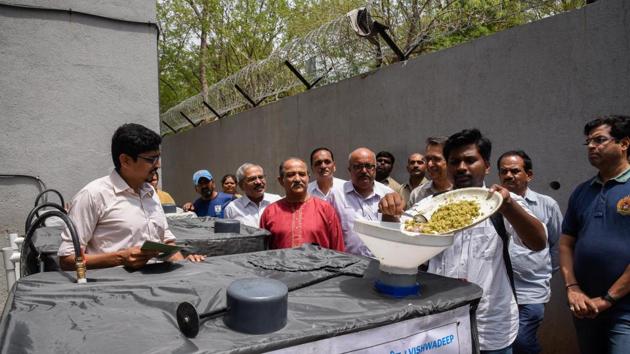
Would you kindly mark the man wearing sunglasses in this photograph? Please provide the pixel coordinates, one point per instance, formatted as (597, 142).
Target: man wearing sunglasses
(114, 215)
(358, 198)
(595, 241)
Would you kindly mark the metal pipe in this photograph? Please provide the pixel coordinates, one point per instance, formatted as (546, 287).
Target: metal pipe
(78, 257)
(50, 191)
(35, 213)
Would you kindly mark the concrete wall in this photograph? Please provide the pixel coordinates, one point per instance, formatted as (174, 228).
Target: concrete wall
(67, 81)
(532, 87)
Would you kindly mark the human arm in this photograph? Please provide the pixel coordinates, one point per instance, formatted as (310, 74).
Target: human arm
(528, 228)
(579, 303)
(554, 227)
(188, 206)
(619, 289)
(133, 258)
(178, 255)
(391, 206)
(335, 233)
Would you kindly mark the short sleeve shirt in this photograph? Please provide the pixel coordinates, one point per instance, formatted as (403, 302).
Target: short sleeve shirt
(110, 216)
(598, 217)
(350, 205)
(214, 207)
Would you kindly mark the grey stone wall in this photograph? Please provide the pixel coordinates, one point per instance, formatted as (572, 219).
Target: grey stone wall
(67, 81)
(532, 87)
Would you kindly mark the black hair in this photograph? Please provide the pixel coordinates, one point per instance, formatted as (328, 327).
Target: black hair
(386, 154)
(519, 153)
(467, 137)
(619, 125)
(320, 149)
(436, 141)
(133, 139)
(229, 175)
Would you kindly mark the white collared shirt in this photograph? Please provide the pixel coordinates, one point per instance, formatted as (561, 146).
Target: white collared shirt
(313, 189)
(477, 256)
(350, 205)
(248, 212)
(110, 216)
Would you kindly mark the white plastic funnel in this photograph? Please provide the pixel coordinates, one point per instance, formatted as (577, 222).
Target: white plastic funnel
(399, 253)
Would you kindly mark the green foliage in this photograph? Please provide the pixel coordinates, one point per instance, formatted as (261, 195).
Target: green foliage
(205, 41)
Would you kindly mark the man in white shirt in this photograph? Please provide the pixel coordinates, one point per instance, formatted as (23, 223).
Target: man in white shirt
(115, 214)
(248, 208)
(323, 167)
(477, 252)
(358, 198)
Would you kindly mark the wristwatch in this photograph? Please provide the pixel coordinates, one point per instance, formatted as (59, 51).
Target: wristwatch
(609, 298)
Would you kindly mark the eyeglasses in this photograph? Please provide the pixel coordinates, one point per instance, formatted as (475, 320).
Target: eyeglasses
(598, 141)
(152, 160)
(360, 166)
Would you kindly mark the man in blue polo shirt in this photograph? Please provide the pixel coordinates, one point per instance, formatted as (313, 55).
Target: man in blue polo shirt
(210, 202)
(595, 241)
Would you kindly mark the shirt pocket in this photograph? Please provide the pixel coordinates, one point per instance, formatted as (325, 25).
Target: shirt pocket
(482, 245)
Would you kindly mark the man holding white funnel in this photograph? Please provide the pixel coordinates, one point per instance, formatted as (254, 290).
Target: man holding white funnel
(477, 252)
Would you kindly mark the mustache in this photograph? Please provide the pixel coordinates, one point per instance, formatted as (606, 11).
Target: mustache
(297, 184)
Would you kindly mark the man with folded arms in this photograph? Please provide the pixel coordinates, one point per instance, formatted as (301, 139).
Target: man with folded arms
(300, 218)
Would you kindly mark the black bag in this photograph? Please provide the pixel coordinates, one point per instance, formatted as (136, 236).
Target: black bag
(497, 221)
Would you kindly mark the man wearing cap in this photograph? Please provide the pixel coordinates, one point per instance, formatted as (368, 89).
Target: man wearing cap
(248, 208)
(211, 203)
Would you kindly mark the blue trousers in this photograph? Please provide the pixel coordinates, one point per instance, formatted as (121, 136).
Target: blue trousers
(506, 350)
(530, 317)
(603, 335)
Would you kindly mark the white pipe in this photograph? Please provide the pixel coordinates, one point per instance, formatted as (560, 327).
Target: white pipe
(8, 266)
(12, 238)
(15, 258)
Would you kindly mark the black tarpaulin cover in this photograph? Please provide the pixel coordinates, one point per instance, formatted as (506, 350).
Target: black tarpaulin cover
(198, 234)
(134, 312)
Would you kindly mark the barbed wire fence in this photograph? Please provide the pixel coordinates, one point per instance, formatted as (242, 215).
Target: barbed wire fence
(334, 52)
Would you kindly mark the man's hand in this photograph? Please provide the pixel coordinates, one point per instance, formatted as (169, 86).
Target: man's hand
(391, 206)
(188, 206)
(601, 306)
(505, 194)
(195, 258)
(136, 258)
(581, 305)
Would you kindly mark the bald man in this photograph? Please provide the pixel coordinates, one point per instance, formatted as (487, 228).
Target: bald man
(358, 198)
(300, 218)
